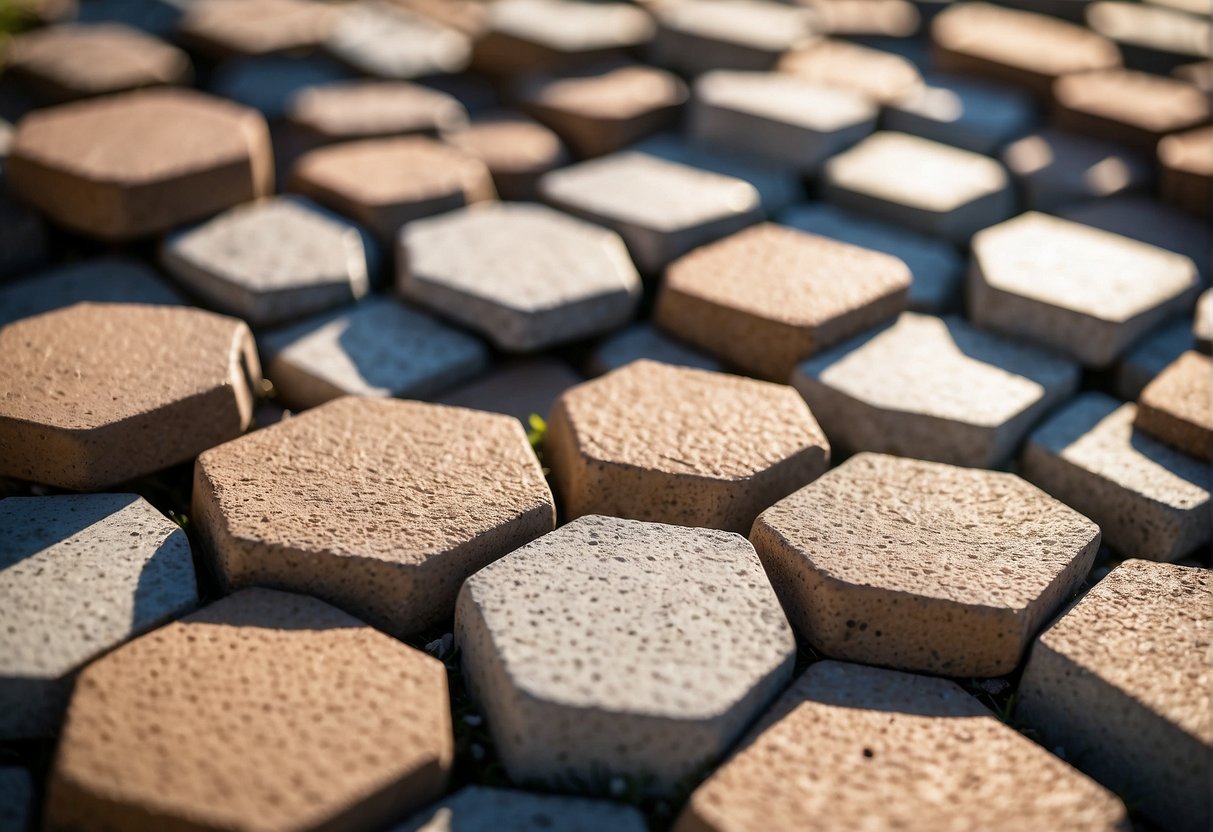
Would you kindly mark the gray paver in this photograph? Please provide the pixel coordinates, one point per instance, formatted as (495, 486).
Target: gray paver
(387, 41)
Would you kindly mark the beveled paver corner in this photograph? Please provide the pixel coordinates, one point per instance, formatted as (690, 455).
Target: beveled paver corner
(386, 40)
(107, 279)
(16, 798)
(679, 638)
(1149, 220)
(508, 810)
(1132, 108)
(223, 28)
(520, 388)
(370, 108)
(517, 150)
(1053, 168)
(880, 76)
(1185, 163)
(968, 114)
(697, 36)
(643, 340)
(1177, 406)
(1151, 356)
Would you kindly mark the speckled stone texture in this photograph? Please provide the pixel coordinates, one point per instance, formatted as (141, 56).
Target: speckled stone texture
(506, 810)
(1131, 108)
(934, 388)
(79, 575)
(1082, 291)
(1053, 169)
(851, 747)
(517, 150)
(1177, 406)
(527, 277)
(1202, 323)
(1122, 682)
(265, 710)
(370, 108)
(1185, 162)
(967, 114)
(1151, 356)
(139, 163)
(1150, 500)
(223, 28)
(108, 279)
(768, 297)
(715, 450)
(381, 507)
(680, 644)
(696, 36)
(385, 40)
(100, 393)
(16, 798)
(643, 340)
(521, 388)
(882, 77)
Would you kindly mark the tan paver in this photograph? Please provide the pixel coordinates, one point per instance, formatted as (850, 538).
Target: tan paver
(222, 28)
(100, 393)
(1132, 108)
(386, 40)
(717, 449)
(1198, 73)
(518, 151)
(523, 388)
(881, 76)
(381, 507)
(1122, 682)
(1152, 37)
(265, 710)
(139, 163)
(852, 746)
(1177, 406)
(680, 644)
(1053, 169)
(643, 340)
(370, 108)
(109, 279)
(864, 18)
(1202, 323)
(1185, 163)
(546, 35)
(507, 810)
(696, 36)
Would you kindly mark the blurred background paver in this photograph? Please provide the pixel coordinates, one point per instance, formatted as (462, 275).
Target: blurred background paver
(506, 810)
(1177, 406)
(517, 150)
(520, 388)
(1151, 356)
(1131, 108)
(1149, 220)
(385, 40)
(882, 77)
(371, 108)
(268, 83)
(1185, 163)
(224, 28)
(1152, 37)
(1053, 168)
(975, 116)
(16, 798)
(1202, 324)
(645, 341)
(107, 279)
(696, 36)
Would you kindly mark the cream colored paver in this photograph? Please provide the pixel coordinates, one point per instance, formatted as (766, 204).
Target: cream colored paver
(370, 108)
(546, 35)
(696, 36)
(882, 77)
(386, 40)
(1153, 37)
(1202, 322)
(1149, 220)
(517, 150)
(222, 28)
(1131, 108)
(1177, 406)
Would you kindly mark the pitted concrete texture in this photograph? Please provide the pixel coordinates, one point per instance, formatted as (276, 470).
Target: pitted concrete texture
(661, 209)
(100, 393)
(926, 186)
(527, 277)
(107, 279)
(139, 163)
(770, 296)
(222, 28)
(522, 388)
(680, 644)
(381, 507)
(934, 388)
(943, 570)
(1122, 681)
(1151, 356)
(1150, 500)
(1202, 323)
(1177, 406)
(1185, 163)
(1132, 108)
(646, 341)
(264, 710)
(506, 810)
(385, 40)
(715, 449)
(937, 759)
(968, 114)
(517, 150)
(1082, 291)
(697, 36)
(882, 77)
(369, 108)
(1053, 169)
(1149, 220)
(16, 798)
(545, 35)
(79, 575)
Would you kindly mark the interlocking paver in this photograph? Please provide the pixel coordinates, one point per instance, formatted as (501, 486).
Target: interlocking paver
(1185, 163)
(379, 506)
(383, 39)
(881, 76)
(929, 187)
(371, 108)
(717, 448)
(525, 276)
(264, 710)
(1151, 356)
(696, 36)
(1150, 500)
(517, 150)
(1153, 38)
(968, 114)
(1146, 219)
(138, 163)
(79, 575)
(929, 576)
(507, 810)
(864, 18)
(1053, 169)
(222, 28)
(1131, 108)
(1202, 323)
(643, 340)
(520, 389)
(934, 755)
(1080, 290)
(268, 83)
(934, 388)
(108, 279)
(1177, 406)
(16, 798)
(100, 393)
(679, 638)
(1122, 682)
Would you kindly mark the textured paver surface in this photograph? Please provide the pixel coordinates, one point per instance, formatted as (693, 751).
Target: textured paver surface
(1054, 168)
(1202, 323)
(517, 150)
(1133, 108)
(103, 279)
(507, 810)
(385, 40)
(695, 36)
(1177, 406)
(363, 109)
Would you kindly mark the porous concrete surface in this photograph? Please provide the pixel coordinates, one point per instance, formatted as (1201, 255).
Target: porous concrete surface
(509, 810)
(1202, 323)
(105, 279)
(385, 40)
(715, 451)
(1177, 406)
(100, 393)
(223, 28)
(1131, 108)
(1122, 683)
(665, 680)
(1149, 220)
(16, 798)
(1150, 357)
(79, 575)
(883, 77)
(697, 36)
(644, 340)
(264, 710)
(1053, 169)
(371, 108)
(972, 115)
(517, 149)
(1185, 162)
(522, 388)
(378, 506)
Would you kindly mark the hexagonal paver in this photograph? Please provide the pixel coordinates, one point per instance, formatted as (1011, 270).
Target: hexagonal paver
(946, 570)
(934, 388)
(1053, 168)
(376, 348)
(525, 276)
(108, 279)
(1177, 406)
(1122, 681)
(265, 710)
(384, 183)
(1202, 323)
(79, 575)
(519, 388)
(1151, 356)
(866, 18)
(517, 150)
(716, 450)
(696, 36)
(1132, 108)
(270, 261)
(967, 114)
(1149, 220)
(679, 638)
(882, 77)
(768, 297)
(661, 209)
(268, 83)
(100, 393)
(139, 163)
(1185, 162)
(16, 798)
(385, 40)
(222, 28)
(1152, 36)
(381, 507)
(936, 757)
(929, 187)
(542, 35)
(1070, 287)
(1150, 500)
(507, 810)
(369, 108)
(644, 340)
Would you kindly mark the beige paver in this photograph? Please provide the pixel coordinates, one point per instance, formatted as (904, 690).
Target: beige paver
(518, 151)
(1177, 406)
(108, 279)
(881, 76)
(865, 18)
(1151, 36)
(1149, 220)
(522, 388)
(643, 340)
(1202, 323)
(1131, 108)
(1053, 169)
(370, 108)
(1198, 73)
(545, 35)
(386, 40)
(1185, 162)
(696, 36)
(222, 28)
(508, 810)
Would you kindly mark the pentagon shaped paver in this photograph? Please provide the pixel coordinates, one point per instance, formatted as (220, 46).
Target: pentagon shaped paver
(517, 150)
(106, 279)
(526, 276)
(882, 77)
(1146, 219)
(696, 36)
(369, 108)
(1177, 406)
(844, 733)
(1122, 682)
(79, 575)
(1185, 162)
(967, 114)
(929, 187)
(768, 297)
(643, 340)
(16, 798)
(507, 810)
(100, 393)
(385, 40)
(661, 209)
(1053, 168)
(268, 83)
(934, 388)
(1151, 356)
(1150, 36)
(945, 570)
(1132, 108)
(222, 28)
(717, 448)
(381, 507)
(139, 163)
(1080, 290)
(519, 388)
(1202, 323)
(1150, 500)
(679, 638)
(264, 710)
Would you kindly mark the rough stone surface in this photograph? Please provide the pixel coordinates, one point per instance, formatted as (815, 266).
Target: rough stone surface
(645, 341)
(680, 641)
(1150, 221)
(1151, 356)
(268, 83)
(384, 39)
(696, 36)
(507, 810)
(1132, 108)
(1177, 406)
(883, 77)
(222, 28)
(1053, 168)
(108, 279)
(1186, 170)
(370, 108)
(516, 149)
(16, 798)
(966, 114)
(522, 388)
